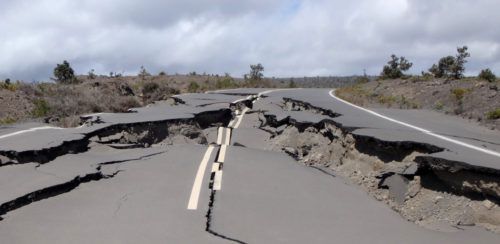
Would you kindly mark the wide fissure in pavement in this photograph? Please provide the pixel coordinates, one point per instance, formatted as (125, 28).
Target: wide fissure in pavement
(142, 134)
(403, 174)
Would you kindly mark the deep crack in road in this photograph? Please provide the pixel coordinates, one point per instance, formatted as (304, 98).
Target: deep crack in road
(250, 166)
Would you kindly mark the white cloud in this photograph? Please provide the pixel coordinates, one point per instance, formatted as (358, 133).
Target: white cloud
(290, 37)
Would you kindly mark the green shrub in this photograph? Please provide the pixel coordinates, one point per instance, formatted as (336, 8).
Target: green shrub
(494, 114)
(224, 83)
(150, 87)
(487, 74)
(41, 109)
(389, 100)
(459, 93)
(9, 86)
(193, 87)
(438, 105)
(8, 120)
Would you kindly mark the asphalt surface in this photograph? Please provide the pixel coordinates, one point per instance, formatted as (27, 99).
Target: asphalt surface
(230, 189)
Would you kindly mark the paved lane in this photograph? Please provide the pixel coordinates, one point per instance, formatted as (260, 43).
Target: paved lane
(228, 187)
(144, 203)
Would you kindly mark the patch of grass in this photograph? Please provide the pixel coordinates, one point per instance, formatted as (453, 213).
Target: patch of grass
(8, 120)
(421, 78)
(136, 86)
(459, 93)
(438, 105)
(494, 114)
(9, 86)
(193, 87)
(41, 109)
(225, 83)
(388, 100)
(354, 94)
(407, 103)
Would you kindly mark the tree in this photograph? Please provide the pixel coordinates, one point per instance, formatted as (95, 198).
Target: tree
(487, 74)
(443, 68)
(451, 67)
(64, 74)
(256, 71)
(395, 67)
(292, 84)
(459, 68)
(143, 72)
(91, 74)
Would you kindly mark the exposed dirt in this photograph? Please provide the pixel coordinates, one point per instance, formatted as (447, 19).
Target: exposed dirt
(433, 193)
(468, 98)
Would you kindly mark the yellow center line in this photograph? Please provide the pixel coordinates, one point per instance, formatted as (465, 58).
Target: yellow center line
(195, 191)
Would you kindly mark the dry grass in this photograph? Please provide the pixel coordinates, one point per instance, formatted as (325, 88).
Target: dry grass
(62, 105)
(354, 94)
(494, 114)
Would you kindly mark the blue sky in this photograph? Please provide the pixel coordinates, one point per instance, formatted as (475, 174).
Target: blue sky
(289, 37)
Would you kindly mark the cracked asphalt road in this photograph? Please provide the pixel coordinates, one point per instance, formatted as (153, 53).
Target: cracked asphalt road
(247, 193)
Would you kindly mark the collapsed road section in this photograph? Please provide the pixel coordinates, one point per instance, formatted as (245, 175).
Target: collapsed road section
(410, 176)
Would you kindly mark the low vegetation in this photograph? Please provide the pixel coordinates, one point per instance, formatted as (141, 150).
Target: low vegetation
(41, 109)
(193, 87)
(459, 93)
(469, 98)
(8, 86)
(487, 75)
(443, 88)
(7, 120)
(494, 114)
(61, 103)
(358, 94)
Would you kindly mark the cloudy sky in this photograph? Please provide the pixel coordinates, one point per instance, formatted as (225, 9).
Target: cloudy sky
(289, 37)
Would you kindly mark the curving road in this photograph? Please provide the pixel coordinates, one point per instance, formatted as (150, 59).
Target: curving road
(98, 184)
